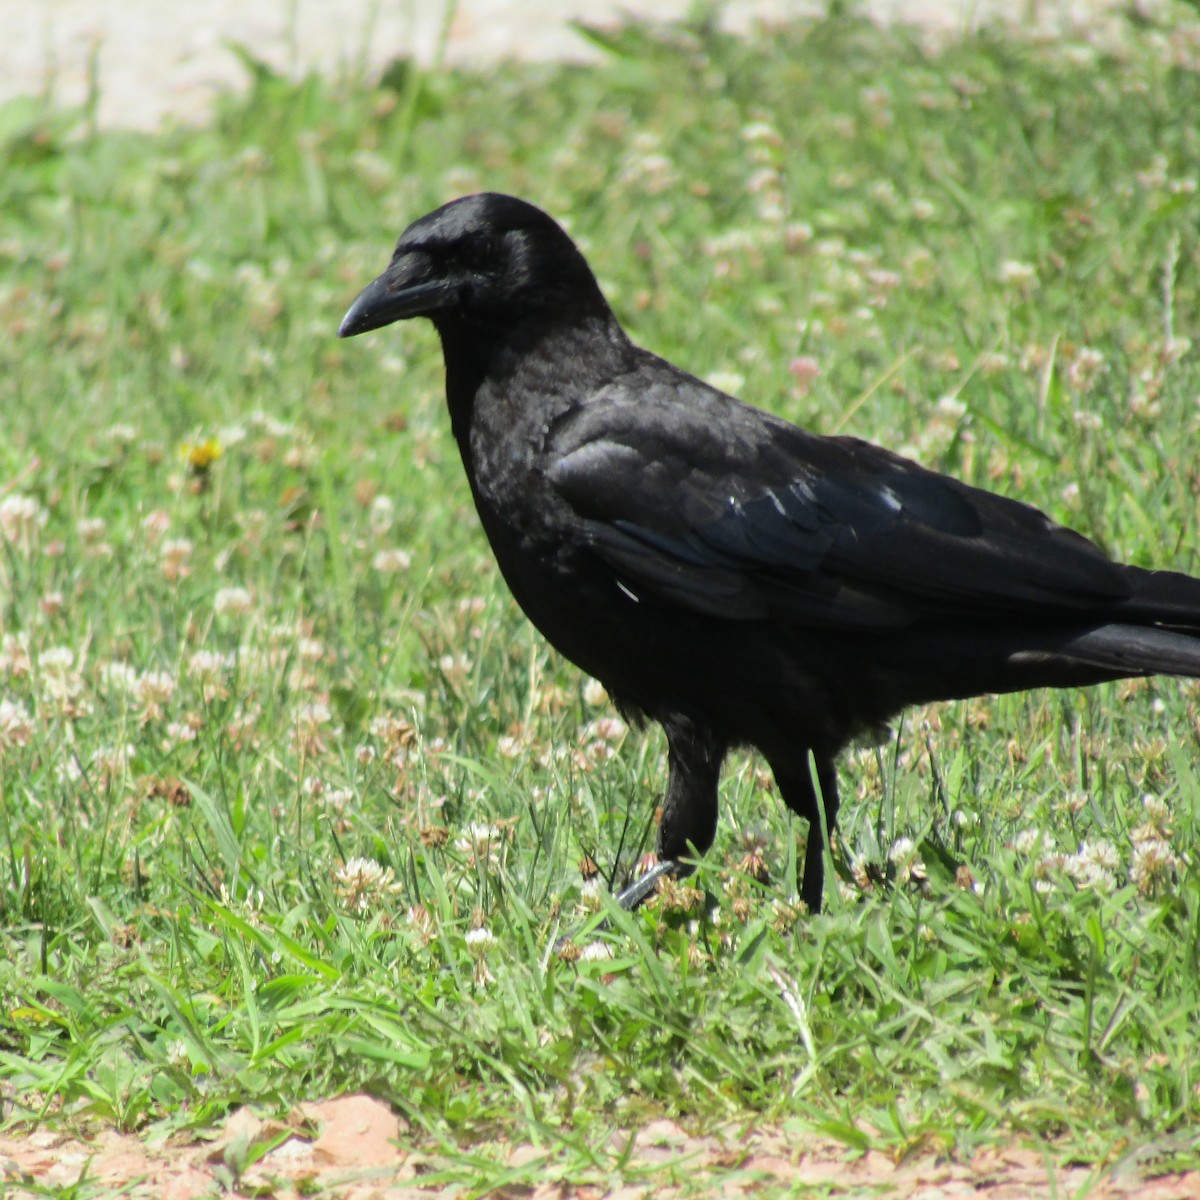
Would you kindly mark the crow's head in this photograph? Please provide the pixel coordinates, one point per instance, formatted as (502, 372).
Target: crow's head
(489, 259)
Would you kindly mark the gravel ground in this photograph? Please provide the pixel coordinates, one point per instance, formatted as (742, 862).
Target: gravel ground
(157, 61)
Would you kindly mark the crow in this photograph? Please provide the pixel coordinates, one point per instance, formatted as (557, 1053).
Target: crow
(727, 574)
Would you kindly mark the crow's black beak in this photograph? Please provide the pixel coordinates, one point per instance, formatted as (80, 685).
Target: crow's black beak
(406, 289)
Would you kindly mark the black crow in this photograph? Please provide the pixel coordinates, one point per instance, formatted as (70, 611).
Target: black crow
(725, 573)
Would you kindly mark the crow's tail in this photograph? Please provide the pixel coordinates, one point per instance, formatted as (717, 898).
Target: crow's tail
(1122, 651)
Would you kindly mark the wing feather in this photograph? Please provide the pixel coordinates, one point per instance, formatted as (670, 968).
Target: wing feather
(739, 515)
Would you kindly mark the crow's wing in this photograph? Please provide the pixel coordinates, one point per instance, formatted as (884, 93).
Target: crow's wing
(695, 500)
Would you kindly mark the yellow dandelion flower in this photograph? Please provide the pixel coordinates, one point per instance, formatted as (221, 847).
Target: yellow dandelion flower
(199, 456)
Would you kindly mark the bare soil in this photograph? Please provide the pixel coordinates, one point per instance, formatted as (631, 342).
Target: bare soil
(356, 1148)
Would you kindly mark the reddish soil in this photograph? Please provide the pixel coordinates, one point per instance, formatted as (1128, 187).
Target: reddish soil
(358, 1149)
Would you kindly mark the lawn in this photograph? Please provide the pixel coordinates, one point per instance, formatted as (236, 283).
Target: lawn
(293, 802)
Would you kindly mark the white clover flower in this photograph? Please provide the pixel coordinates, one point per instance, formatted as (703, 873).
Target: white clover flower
(455, 667)
(392, 730)
(1029, 840)
(209, 664)
(591, 895)
(509, 746)
(68, 771)
(391, 562)
(377, 172)
(235, 601)
(480, 941)
(118, 677)
(310, 649)
(362, 882)
(310, 722)
(1153, 864)
(90, 529)
(884, 279)
(14, 656)
(22, 518)
(155, 524)
(231, 435)
(112, 759)
(174, 556)
(110, 763)
(55, 660)
(152, 690)
(16, 725)
(763, 180)
(1157, 813)
(179, 733)
(271, 426)
(337, 798)
(797, 234)
(154, 687)
(124, 434)
(731, 243)
(605, 729)
(382, 516)
(1093, 865)
(314, 714)
(761, 131)
(1016, 273)
(1085, 366)
(1103, 854)
(477, 836)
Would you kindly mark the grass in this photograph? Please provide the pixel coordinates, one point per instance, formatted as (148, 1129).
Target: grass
(293, 801)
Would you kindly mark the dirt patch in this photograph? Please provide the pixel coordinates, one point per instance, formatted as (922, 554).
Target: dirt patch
(359, 1148)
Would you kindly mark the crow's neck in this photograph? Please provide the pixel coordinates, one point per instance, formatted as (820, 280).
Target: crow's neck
(573, 355)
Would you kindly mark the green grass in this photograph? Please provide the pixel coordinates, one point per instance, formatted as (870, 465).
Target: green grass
(988, 256)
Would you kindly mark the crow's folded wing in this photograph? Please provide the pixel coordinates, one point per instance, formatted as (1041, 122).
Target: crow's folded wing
(724, 510)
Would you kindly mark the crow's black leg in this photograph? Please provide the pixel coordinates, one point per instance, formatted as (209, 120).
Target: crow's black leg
(689, 820)
(800, 796)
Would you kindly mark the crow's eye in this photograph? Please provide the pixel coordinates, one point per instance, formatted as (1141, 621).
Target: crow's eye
(476, 251)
